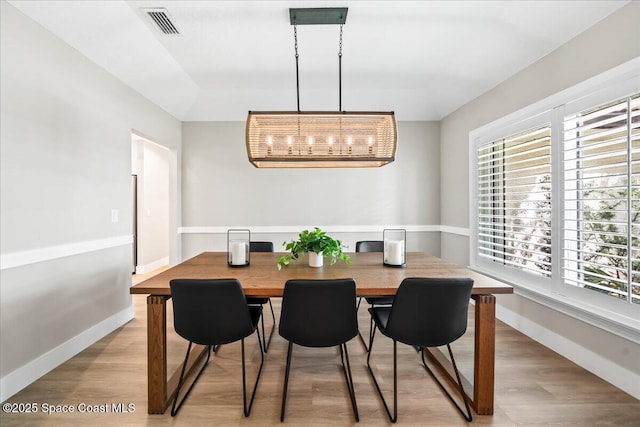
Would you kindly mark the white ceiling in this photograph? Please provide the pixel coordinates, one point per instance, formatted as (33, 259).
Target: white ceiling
(421, 59)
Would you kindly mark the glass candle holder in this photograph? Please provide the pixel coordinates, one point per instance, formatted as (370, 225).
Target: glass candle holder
(395, 247)
(238, 247)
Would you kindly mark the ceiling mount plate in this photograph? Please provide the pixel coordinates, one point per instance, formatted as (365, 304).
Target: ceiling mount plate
(318, 15)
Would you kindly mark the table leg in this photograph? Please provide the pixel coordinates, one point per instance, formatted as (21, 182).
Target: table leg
(157, 353)
(484, 359)
(161, 387)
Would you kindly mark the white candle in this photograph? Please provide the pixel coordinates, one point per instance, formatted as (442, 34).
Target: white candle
(395, 252)
(238, 252)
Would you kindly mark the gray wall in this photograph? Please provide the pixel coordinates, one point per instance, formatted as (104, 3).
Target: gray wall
(65, 165)
(222, 189)
(609, 43)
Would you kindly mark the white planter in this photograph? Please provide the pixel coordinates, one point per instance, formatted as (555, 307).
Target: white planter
(315, 260)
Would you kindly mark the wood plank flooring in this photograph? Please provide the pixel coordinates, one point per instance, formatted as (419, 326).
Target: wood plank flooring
(534, 385)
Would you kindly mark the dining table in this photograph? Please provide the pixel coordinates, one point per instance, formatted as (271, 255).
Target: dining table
(261, 277)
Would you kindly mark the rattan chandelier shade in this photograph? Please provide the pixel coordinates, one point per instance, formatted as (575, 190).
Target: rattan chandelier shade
(320, 139)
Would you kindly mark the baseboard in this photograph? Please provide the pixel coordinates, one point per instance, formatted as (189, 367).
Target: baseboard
(154, 265)
(15, 381)
(604, 368)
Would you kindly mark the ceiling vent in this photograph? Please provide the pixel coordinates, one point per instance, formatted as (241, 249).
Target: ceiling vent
(162, 19)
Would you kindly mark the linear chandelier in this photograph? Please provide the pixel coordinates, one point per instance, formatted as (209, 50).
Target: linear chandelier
(320, 139)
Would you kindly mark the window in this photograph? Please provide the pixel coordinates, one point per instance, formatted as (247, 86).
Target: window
(596, 189)
(602, 199)
(514, 200)
(555, 200)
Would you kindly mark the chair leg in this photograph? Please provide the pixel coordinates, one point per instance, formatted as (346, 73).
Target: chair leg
(364, 344)
(467, 416)
(286, 381)
(393, 417)
(247, 409)
(349, 378)
(371, 330)
(267, 343)
(263, 333)
(174, 409)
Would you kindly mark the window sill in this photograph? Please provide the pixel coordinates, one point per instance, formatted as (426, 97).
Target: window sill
(615, 323)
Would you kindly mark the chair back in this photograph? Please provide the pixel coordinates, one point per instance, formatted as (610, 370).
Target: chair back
(429, 312)
(370, 246)
(260, 246)
(319, 313)
(210, 311)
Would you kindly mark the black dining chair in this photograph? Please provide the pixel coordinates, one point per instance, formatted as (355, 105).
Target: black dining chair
(319, 313)
(256, 246)
(374, 301)
(426, 312)
(213, 312)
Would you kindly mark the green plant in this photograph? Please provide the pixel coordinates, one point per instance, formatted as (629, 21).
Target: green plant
(313, 241)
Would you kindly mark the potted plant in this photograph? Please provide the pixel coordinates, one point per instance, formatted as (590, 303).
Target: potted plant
(318, 244)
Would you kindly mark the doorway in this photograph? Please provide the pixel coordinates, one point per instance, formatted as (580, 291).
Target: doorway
(150, 187)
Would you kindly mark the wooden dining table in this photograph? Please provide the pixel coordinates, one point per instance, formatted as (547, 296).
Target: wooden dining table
(262, 278)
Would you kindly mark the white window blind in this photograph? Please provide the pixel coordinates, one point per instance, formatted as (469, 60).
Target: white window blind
(514, 201)
(601, 233)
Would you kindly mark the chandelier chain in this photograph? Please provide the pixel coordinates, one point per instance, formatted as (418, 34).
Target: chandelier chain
(295, 38)
(340, 72)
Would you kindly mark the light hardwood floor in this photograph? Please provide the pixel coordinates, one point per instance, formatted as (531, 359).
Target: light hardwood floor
(534, 385)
